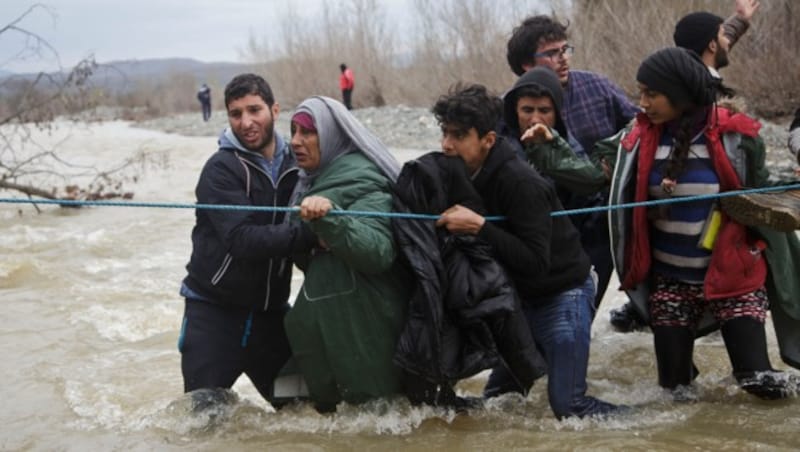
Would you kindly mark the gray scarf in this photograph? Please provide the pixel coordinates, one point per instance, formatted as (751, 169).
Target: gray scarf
(341, 133)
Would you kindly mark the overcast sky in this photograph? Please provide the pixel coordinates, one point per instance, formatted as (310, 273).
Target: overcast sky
(206, 30)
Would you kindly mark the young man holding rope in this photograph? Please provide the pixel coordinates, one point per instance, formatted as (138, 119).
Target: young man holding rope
(542, 254)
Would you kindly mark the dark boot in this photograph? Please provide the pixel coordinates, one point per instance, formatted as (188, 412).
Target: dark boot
(674, 346)
(212, 398)
(746, 342)
(626, 319)
(421, 391)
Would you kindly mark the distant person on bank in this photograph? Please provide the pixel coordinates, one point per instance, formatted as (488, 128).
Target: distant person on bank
(237, 287)
(345, 323)
(204, 96)
(347, 81)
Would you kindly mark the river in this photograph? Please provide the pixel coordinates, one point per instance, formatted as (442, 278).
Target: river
(91, 315)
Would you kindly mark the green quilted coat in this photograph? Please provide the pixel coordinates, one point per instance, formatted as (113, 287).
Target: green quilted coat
(344, 325)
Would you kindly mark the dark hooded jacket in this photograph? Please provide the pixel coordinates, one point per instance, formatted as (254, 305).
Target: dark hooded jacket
(242, 257)
(546, 80)
(567, 175)
(464, 314)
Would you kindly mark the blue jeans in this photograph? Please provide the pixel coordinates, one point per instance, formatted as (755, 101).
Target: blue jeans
(561, 326)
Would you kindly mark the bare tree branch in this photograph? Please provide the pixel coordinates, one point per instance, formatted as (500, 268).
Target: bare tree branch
(38, 41)
(30, 104)
(27, 189)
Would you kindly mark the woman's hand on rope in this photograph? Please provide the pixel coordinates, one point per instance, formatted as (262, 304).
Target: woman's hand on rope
(314, 207)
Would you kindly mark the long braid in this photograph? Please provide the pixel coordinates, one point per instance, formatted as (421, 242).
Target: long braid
(680, 151)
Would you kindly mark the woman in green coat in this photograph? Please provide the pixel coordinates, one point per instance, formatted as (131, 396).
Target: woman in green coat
(344, 325)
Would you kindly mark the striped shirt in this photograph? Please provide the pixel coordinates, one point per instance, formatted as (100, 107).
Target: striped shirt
(675, 230)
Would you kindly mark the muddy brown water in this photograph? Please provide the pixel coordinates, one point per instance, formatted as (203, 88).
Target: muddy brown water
(91, 315)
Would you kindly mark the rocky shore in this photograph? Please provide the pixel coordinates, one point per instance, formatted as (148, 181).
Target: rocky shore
(404, 127)
(398, 127)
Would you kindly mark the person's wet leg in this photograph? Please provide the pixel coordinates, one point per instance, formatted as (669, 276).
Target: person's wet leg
(746, 343)
(563, 330)
(674, 346)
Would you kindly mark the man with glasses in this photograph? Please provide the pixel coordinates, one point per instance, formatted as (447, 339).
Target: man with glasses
(593, 108)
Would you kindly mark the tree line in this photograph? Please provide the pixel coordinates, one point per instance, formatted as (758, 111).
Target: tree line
(448, 41)
(465, 40)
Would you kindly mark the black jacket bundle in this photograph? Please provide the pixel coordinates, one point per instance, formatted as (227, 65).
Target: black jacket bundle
(464, 314)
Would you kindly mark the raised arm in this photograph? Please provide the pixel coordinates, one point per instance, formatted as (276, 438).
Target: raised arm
(738, 24)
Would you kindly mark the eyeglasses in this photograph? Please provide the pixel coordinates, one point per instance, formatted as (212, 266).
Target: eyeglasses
(553, 54)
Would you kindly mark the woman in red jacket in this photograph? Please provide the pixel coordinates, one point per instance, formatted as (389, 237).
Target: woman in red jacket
(347, 81)
(679, 256)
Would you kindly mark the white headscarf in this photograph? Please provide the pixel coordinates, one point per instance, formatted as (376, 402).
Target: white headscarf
(340, 133)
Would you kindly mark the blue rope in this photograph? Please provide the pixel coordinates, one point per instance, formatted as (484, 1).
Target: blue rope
(412, 216)
(355, 213)
(676, 200)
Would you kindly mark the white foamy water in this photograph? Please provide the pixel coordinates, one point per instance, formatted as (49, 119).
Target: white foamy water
(91, 315)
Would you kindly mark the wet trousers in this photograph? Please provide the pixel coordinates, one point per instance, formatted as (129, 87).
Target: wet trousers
(219, 343)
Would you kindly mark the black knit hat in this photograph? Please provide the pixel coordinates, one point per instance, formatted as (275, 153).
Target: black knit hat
(680, 75)
(544, 79)
(694, 31)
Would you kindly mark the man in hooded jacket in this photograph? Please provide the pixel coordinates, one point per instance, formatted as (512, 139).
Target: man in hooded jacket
(237, 286)
(532, 113)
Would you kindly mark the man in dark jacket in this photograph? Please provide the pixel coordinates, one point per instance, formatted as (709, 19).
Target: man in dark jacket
(204, 96)
(532, 112)
(542, 254)
(237, 287)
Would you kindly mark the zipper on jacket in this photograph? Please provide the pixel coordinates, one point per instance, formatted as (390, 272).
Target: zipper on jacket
(226, 262)
(275, 186)
(274, 215)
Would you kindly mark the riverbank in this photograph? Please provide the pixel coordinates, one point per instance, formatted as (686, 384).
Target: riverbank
(397, 126)
(406, 127)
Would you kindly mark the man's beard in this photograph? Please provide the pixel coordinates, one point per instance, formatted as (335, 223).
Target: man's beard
(721, 58)
(269, 134)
